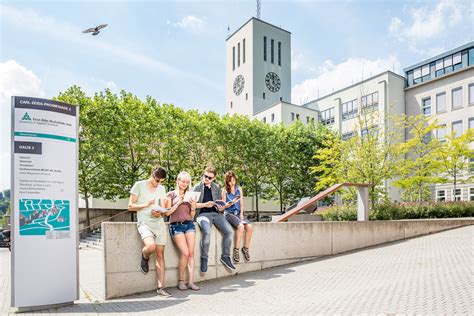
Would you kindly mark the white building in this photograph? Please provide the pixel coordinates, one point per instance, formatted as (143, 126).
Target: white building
(258, 84)
(442, 87)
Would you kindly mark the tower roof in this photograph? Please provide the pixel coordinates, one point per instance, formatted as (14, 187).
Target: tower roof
(261, 21)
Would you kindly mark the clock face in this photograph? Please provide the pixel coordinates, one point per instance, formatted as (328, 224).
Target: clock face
(272, 81)
(239, 84)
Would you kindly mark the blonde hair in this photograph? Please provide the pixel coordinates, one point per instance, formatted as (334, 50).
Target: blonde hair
(182, 175)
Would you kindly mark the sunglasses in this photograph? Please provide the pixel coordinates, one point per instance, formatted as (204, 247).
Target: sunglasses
(208, 177)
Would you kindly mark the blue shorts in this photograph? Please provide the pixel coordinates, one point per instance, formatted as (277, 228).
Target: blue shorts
(181, 228)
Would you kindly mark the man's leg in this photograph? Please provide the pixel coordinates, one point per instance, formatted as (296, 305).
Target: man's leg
(205, 223)
(224, 227)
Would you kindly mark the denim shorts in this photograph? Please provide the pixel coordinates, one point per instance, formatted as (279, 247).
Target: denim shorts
(181, 228)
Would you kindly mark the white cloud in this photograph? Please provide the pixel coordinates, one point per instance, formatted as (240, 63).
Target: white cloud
(191, 22)
(429, 21)
(332, 77)
(15, 79)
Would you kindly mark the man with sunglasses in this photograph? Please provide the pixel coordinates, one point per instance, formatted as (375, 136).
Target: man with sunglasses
(209, 214)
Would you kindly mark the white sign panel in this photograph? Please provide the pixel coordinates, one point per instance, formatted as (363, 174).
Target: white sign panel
(44, 202)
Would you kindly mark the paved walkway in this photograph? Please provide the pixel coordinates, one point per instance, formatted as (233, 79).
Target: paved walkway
(427, 275)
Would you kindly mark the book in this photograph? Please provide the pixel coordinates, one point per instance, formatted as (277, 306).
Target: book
(157, 208)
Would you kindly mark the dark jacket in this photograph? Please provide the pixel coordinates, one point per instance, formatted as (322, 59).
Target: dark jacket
(215, 191)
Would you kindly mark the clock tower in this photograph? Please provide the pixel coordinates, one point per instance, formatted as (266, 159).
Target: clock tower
(258, 67)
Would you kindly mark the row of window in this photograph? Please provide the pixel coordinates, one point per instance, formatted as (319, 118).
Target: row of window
(272, 49)
(440, 67)
(456, 100)
(238, 54)
(350, 109)
(294, 116)
(456, 127)
(456, 194)
(363, 132)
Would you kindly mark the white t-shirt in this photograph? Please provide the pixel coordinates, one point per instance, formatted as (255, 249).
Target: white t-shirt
(140, 189)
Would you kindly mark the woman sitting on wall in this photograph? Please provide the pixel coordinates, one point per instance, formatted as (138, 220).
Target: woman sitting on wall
(234, 213)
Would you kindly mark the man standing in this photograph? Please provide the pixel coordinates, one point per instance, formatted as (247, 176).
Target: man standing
(209, 213)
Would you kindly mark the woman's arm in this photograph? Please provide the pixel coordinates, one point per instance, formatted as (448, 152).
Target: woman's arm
(172, 208)
(193, 208)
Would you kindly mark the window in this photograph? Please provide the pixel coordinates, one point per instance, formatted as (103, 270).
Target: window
(471, 123)
(426, 138)
(238, 55)
(297, 117)
(410, 78)
(273, 117)
(370, 102)
(348, 135)
(349, 109)
(243, 51)
(279, 53)
(425, 72)
(471, 194)
(441, 195)
(457, 61)
(456, 98)
(441, 102)
(457, 128)
(233, 58)
(426, 106)
(231, 104)
(448, 64)
(264, 95)
(307, 119)
(372, 130)
(457, 194)
(441, 133)
(327, 116)
(471, 94)
(292, 116)
(439, 67)
(471, 56)
(272, 43)
(246, 96)
(264, 120)
(264, 48)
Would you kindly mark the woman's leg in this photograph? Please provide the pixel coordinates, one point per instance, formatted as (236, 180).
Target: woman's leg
(160, 265)
(238, 235)
(180, 241)
(190, 238)
(248, 235)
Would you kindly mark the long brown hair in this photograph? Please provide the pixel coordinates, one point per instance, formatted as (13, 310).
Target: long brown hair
(227, 177)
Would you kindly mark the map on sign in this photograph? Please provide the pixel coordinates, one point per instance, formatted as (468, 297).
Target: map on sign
(40, 217)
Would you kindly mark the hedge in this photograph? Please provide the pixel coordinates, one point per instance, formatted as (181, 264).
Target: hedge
(394, 211)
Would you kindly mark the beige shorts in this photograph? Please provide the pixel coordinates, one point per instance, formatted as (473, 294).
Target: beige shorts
(156, 230)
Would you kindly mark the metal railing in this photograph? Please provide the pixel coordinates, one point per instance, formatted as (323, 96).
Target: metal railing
(362, 201)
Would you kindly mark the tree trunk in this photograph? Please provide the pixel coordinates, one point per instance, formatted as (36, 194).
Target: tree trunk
(88, 219)
(256, 203)
(281, 201)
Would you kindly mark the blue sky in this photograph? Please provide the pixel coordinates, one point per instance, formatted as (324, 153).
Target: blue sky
(175, 50)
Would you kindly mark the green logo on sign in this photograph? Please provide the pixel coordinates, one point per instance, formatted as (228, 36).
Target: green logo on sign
(26, 117)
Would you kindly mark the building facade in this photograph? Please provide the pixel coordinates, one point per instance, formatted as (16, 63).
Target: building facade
(442, 88)
(258, 84)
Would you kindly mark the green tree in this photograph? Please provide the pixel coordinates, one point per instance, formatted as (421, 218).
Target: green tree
(6, 194)
(454, 156)
(420, 167)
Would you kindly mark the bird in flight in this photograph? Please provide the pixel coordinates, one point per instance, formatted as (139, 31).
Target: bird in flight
(95, 30)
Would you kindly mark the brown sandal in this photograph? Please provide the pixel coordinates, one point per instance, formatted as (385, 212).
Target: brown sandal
(245, 251)
(235, 255)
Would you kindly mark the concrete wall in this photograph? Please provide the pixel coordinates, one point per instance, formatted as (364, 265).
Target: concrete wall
(273, 244)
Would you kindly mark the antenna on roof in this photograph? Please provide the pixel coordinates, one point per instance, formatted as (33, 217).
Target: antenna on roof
(258, 9)
(228, 30)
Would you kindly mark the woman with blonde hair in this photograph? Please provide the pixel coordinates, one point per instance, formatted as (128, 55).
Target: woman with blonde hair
(233, 196)
(182, 228)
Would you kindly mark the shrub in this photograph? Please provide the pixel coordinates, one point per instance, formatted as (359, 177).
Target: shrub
(395, 211)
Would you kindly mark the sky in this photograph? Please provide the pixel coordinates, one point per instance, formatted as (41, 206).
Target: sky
(174, 51)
